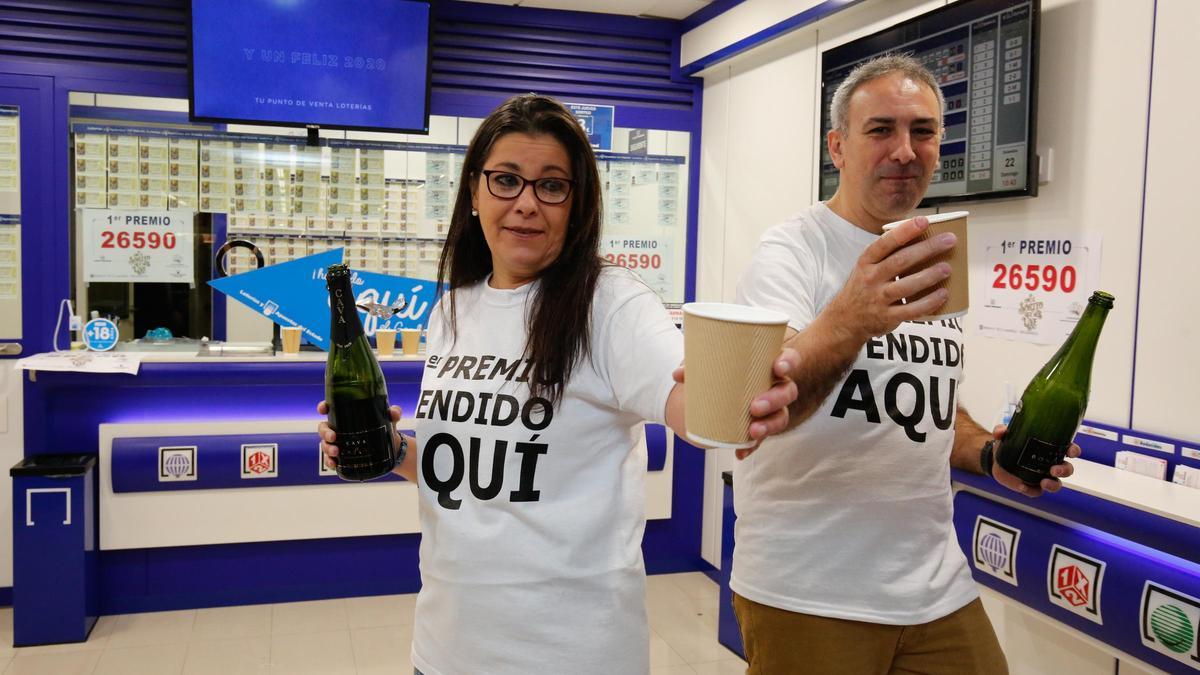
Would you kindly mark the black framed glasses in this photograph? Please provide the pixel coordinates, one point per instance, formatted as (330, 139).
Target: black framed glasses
(508, 185)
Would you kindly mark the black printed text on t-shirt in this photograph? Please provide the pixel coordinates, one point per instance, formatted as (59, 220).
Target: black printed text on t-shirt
(857, 392)
(488, 409)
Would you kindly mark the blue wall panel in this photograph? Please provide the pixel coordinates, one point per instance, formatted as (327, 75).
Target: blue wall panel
(147, 580)
(148, 34)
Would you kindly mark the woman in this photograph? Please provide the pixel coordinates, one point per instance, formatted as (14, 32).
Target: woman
(542, 363)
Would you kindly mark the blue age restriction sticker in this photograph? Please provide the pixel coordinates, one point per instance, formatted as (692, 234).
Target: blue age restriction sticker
(100, 335)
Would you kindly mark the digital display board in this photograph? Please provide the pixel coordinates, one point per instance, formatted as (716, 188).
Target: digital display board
(983, 54)
(347, 65)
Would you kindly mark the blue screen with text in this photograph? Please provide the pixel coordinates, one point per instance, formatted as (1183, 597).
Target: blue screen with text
(325, 62)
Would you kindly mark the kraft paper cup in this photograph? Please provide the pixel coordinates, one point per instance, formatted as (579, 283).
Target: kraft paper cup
(957, 283)
(385, 341)
(290, 336)
(728, 355)
(411, 339)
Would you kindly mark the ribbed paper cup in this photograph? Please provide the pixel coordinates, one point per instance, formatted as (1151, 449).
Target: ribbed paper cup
(290, 337)
(958, 281)
(385, 341)
(728, 355)
(410, 340)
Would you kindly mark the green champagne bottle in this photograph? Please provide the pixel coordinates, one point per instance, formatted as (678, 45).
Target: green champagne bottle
(355, 389)
(1052, 406)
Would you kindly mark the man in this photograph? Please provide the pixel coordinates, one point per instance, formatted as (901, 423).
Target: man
(846, 559)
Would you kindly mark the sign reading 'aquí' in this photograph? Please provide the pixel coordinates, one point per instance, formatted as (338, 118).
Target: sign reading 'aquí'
(294, 294)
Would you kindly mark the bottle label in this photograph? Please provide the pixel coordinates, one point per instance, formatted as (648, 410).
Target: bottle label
(346, 324)
(1038, 456)
(365, 445)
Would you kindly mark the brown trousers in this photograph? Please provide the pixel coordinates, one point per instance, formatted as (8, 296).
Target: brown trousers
(779, 642)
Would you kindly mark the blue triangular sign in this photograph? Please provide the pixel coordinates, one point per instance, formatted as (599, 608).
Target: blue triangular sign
(294, 294)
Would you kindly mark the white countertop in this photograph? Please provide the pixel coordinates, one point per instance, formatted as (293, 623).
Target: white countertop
(1152, 495)
(129, 362)
(302, 357)
(1159, 497)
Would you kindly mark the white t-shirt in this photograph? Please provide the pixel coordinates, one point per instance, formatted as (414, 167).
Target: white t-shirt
(532, 524)
(849, 515)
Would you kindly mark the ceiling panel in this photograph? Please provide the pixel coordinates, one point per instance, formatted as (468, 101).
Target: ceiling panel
(674, 9)
(670, 9)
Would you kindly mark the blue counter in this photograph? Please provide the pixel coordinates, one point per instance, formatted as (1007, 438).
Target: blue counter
(1113, 555)
(253, 541)
(1122, 574)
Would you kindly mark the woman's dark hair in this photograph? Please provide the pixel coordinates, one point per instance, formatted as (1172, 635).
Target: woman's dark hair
(560, 312)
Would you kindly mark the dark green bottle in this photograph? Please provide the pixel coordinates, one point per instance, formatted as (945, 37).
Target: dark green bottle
(355, 389)
(1053, 404)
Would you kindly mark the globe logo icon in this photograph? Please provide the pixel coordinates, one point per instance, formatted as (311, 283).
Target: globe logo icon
(1172, 628)
(177, 465)
(993, 551)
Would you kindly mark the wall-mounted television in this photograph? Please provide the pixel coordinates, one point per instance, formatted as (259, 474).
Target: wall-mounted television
(315, 63)
(984, 56)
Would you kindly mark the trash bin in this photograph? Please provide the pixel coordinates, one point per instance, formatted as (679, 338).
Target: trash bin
(55, 595)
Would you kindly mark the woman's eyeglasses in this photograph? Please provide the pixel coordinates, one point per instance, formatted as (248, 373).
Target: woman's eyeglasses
(508, 185)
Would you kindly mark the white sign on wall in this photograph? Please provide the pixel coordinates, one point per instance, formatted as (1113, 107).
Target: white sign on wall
(1035, 289)
(138, 245)
(650, 257)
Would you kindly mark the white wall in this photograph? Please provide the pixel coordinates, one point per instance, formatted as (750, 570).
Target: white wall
(759, 158)
(1168, 324)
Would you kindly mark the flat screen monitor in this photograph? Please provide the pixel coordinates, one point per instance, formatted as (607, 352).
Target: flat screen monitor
(983, 54)
(326, 63)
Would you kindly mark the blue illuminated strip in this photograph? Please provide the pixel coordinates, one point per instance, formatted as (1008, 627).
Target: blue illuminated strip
(217, 462)
(1132, 524)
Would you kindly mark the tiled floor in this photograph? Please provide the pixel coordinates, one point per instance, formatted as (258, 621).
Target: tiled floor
(336, 637)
